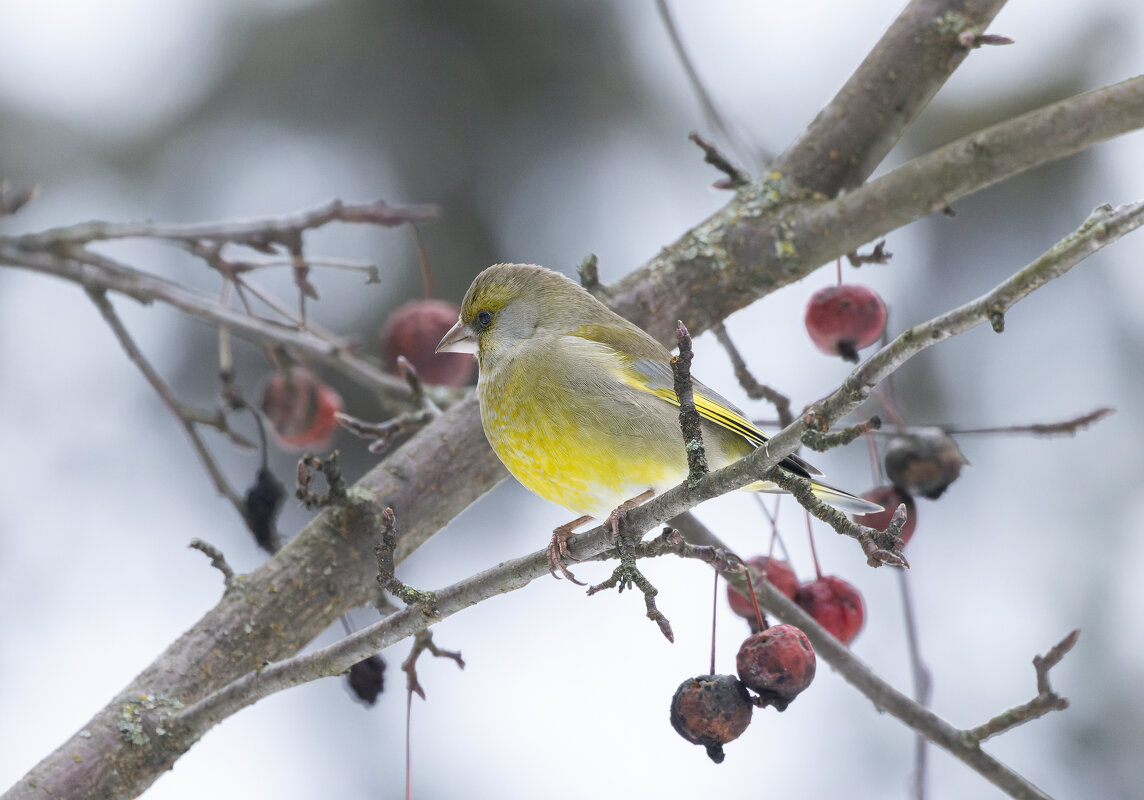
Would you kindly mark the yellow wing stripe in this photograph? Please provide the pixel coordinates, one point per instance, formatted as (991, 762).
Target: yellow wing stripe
(719, 414)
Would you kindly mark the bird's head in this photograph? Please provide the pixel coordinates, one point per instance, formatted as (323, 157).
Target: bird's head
(510, 303)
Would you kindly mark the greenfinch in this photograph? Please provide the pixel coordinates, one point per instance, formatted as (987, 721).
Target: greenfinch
(580, 404)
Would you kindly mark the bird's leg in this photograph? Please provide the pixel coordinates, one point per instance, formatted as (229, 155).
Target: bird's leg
(627, 574)
(558, 549)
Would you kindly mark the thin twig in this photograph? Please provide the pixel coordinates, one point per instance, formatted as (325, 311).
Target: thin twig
(879, 255)
(689, 421)
(1068, 427)
(754, 389)
(922, 682)
(821, 441)
(1046, 700)
(714, 118)
(382, 434)
(218, 560)
(261, 234)
(735, 176)
(383, 552)
(187, 416)
(336, 493)
(422, 641)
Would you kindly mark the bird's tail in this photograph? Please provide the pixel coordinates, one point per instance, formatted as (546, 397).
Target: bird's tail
(837, 497)
(827, 494)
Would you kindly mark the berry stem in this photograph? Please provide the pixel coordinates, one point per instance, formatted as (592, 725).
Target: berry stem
(755, 603)
(408, 744)
(714, 611)
(813, 550)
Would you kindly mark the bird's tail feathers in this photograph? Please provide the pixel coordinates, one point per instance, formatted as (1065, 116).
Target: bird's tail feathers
(837, 497)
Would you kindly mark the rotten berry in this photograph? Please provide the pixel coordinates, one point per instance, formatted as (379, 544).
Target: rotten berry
(366, 679)
(889, 498)
(777, 572)
(711, 710)
(261, 505)
(777, 664)
(923, 461)
(841, 320)
(835, 605)
(301, 408)
(413, 330)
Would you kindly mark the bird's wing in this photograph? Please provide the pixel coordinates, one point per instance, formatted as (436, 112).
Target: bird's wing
(647, 366)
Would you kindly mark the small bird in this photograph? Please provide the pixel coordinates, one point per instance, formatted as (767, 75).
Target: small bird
(580, 404)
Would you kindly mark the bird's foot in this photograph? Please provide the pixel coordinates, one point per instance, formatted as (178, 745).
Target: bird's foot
(558, 549)
(612, 524)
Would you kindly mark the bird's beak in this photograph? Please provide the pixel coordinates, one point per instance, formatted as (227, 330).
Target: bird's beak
(461, 338)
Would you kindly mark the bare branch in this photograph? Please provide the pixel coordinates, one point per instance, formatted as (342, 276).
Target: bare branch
(772, 235)
(1046, 700)
(260, 234)
(714, 118)
(97, 272)
(187, 416)
(689, 422)
(920, 50)
(218, 560)
(754, 389)
(735, 176)
(1068, 427)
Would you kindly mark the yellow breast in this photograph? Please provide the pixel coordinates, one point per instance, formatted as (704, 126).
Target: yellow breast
(583, 440)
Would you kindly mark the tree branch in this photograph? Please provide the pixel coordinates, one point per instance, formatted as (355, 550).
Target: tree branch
(771, 235)
(420, 481)
(97, 272)
(855, 131)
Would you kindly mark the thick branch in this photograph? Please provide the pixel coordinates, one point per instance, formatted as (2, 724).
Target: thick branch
(851, 136)
(769, 237)
(320, 574)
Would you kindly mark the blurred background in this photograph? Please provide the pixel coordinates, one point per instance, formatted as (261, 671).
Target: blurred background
(545, 132)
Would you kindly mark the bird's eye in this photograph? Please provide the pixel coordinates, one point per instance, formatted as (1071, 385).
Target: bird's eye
(484, 319)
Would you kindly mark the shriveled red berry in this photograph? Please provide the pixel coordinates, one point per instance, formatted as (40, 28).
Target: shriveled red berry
(711, 710)
(841, 320)
(413, 330)
(889, 498)
(923, 461)
(777, 664)
(367, 679)
(301, 408)
(776, 571)
(835, 605)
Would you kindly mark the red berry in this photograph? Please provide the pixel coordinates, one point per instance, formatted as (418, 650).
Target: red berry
(414, 330)
(777, 572)
(835, 605)
(923, 461)
(777, 664)
(889, 498)
(841, 320)
(301, 408)
(711, 710)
